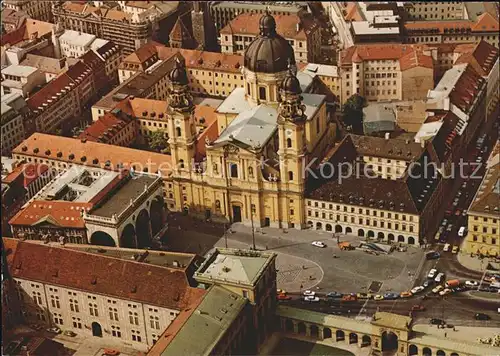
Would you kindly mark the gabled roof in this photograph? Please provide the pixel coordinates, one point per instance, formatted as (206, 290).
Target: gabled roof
(466, 89)
(105, 128)
(482, 58)
(105, 275)
(415, 59)
(63, 214)
(485, 22)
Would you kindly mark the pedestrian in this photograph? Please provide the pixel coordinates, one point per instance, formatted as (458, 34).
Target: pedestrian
(445, 334)
(454, 329)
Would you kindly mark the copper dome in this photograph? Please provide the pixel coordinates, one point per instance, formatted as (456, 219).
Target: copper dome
(178, 75)
(268, 52)
(291, 84)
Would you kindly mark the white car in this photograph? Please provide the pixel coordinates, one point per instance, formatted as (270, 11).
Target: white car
(311, 299)
(318, 244)
(54, 330)
(437, 289)
(417, 289)
(445, 291)
(446, 248)
(309, 293)
(471, 283)
(432, 273)
(439, 278)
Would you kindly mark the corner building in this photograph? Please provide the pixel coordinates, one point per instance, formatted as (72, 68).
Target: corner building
(251, 166)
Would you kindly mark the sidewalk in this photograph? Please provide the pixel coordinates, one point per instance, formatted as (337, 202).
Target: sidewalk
(475, 264)
(463, 333)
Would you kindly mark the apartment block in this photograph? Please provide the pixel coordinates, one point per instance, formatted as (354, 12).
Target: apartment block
(302, 32)
(128, 25)
(12, 122)
(435, 10)
(105, 300)
(38, 10)
(21, 80)
(384, 72)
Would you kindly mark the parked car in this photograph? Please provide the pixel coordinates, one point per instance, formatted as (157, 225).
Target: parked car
(54, 330)
(417, 307)
(69, 333)
(334, 295)
(454, 250)
(445, 291)
(439, 278)
(452, 283)
(471, 283)
(436, 321)
(432, 255)
(111, 352)
(318, 244)
(378, 297)
(309, 293)
(391, 296)
(311, 299)
(283, 296)
(432, 273)
(481, 316)
(437, 289)
(349, 298)
(364, 296)
(446, 248)
(417, 289)
(405, 294)
(428, 283)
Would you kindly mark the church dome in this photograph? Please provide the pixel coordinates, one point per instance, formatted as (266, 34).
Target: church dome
(268, 52)
(291, 84)
(178, 75)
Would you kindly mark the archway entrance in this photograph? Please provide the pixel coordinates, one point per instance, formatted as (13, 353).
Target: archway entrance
(413, 351)
(319, 226)
(339, 335)
(389, 341)
(401, 238)
(411, 240)
(288, 325)
(157, 213)
(361, 233)
(128, 237)
(380, 236)
(427, 351)
(348, 230)
(338, 228)
(327, 333)
(353, 338)
(301, 328)
(328, 227)
(102, 238)
(144, 229)
(440, 353)
(366, 341)
(96, 329)
(314, 331)
(390, 237)
(371, 233)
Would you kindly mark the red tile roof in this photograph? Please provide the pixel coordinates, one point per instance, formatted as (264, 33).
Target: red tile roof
(33, 171)
(105, 275)
(485, 23)
(16, 173)
(92, 153)
(248, 24)
(466, 89)
(408, 55)
(104, 129)
(62, 82)
(59, 213)
(481, 57)
(415, 59)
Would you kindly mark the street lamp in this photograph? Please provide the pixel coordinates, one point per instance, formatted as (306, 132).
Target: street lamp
(252, 208)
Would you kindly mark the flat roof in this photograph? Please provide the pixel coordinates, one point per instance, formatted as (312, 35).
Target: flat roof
(234, 265)
(121, 198)
(77, 38)
(19, 70)
(206, 326)
(366, 28)
(321, 69)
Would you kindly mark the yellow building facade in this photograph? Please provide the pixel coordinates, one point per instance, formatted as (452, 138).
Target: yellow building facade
(266, 134)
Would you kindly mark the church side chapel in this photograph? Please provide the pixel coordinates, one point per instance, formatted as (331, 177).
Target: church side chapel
(250, 166)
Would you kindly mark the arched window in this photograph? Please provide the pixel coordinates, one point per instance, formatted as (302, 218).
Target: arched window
(178, 131)
(234, 170)
(288, 142)
(290, 175)
(181, 163)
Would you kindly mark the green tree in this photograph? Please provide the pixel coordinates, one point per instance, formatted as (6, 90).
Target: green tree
(157, 141)
(352, 113)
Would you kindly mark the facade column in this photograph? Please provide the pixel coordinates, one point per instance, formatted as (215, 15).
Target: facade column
(308, 329)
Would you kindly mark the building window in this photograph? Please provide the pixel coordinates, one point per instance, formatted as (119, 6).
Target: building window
(77, 323)
(288, 142)
(93, 309)
(115, 331)
(290, 175)
(73, 305)
(136, 336)
(37, 298)
(54, 299)
(262, 93)
(154, 321)
(113, 314)
(178, 131)
(133, 318)
(58, 319)
(234, 170)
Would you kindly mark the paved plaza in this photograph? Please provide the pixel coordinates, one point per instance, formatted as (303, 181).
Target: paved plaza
(301, 265)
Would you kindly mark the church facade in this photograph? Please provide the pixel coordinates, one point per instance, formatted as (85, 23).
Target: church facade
(251, 166)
